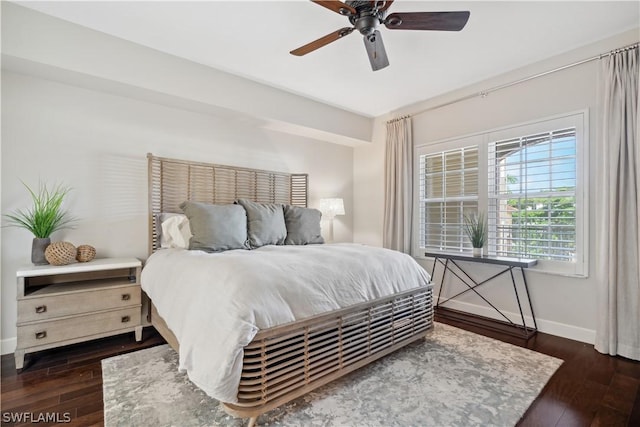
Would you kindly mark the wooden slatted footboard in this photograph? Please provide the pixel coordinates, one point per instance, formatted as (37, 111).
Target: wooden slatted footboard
(285, 362)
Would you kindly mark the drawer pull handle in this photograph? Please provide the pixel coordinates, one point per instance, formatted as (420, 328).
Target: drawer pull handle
(41, 309)
(125, 319)
(41, 335)
(126, 297)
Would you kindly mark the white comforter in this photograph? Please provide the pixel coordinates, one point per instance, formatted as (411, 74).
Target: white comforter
(216, 303)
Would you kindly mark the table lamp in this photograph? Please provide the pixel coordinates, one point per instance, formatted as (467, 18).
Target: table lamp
(330, 208)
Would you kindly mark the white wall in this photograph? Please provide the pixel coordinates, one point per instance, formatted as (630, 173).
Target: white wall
(564, 305)
(97, 144)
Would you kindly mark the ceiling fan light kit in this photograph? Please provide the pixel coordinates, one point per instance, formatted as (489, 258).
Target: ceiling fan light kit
(365, 16)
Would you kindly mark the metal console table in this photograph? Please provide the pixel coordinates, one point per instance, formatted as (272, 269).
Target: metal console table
(448, 260)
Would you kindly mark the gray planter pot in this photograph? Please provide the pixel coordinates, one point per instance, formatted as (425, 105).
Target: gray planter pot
(38, 247)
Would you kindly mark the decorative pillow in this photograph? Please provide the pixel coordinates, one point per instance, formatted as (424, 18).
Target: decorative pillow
(174, 231)
(266, 223)
(216, 227)
(303, 225)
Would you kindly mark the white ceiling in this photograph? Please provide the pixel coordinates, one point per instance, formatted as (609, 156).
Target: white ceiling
(253, 39)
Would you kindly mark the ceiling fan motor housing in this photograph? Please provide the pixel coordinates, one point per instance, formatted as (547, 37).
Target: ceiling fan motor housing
(366, 25)
(368, 16)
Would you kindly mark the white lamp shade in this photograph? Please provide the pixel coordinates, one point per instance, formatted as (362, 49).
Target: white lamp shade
(331, 207)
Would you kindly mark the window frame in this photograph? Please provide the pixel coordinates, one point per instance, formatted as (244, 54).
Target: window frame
(579, 120)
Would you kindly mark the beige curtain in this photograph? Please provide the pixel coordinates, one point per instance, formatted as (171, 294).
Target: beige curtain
(398, 192)
(618, 201)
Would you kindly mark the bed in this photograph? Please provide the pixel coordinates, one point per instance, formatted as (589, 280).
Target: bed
(290, 356)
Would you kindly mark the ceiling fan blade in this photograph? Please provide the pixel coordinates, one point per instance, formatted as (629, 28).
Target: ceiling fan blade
(337, 6)
(381, 4)
(436, 21)
(322, 41)
(375, 50)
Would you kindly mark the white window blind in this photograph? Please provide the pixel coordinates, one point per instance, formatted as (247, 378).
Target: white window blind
(532, 196)
(448, 190)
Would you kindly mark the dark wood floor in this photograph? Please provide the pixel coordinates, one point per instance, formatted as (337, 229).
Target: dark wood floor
(589, 389)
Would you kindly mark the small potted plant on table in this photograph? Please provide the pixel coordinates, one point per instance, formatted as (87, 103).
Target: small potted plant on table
(475, 226)
(43, 218)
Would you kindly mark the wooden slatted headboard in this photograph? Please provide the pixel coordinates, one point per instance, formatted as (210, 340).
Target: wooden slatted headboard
(173, 181)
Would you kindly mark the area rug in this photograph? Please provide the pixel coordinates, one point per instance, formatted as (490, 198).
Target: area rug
(451, 378)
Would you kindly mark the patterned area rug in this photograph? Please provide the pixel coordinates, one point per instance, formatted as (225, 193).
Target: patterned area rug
(452, 378)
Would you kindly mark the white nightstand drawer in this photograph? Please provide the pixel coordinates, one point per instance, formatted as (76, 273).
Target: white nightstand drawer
(42, 333)
(66, 300)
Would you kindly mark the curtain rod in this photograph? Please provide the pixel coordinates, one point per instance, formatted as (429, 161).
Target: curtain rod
(484, 93)
(406, 116)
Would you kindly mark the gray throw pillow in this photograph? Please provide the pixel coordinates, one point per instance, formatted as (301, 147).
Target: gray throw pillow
(303, 225)
(216, 227)
(265, 223)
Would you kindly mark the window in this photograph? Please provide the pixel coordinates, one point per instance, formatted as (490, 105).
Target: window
(529, 179)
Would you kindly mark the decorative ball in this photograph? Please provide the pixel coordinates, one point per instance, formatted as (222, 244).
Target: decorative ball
(85, 253)
(60, 253)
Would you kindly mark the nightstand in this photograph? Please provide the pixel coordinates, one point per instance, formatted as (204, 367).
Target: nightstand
(61, 305)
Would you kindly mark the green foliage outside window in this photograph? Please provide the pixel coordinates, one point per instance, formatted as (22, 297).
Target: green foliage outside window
(543, 226)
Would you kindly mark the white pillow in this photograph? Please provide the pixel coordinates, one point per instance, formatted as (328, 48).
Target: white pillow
(175, 231)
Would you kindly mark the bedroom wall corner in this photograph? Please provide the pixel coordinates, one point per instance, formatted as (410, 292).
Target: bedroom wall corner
(368, 181)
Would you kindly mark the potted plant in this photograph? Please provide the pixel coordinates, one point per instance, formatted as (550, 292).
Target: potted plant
(475, 226)
(43, 218)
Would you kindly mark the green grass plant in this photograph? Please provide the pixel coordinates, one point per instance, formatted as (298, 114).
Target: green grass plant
(46, 215)
(475, 226)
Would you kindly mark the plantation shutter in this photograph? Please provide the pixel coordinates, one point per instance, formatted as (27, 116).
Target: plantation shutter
(532, 196)
(448, 191)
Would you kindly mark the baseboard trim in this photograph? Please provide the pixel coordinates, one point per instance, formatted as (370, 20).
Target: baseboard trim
(547, 326)
(8, 346)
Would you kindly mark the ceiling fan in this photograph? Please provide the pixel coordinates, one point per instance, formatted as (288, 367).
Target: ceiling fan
(365, 17)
